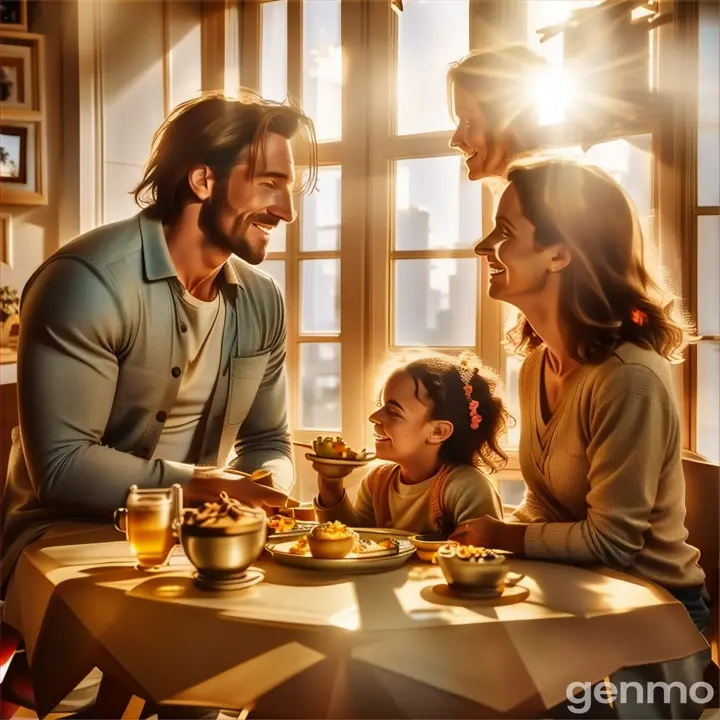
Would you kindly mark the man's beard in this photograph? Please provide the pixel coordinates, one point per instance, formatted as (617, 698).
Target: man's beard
(210, 222)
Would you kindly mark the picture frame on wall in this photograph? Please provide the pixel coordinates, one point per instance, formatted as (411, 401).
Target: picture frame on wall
(22, 163)
(13, 15)
(19, 84)
(6, 239)
(14, 154)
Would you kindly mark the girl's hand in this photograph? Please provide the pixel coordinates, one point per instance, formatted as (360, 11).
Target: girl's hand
(331, 490)
(339, 472)
(490, 532)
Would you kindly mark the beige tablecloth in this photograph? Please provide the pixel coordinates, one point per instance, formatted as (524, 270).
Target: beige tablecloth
(309, 644)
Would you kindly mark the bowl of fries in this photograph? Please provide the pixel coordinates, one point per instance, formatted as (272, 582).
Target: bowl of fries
(222, 539)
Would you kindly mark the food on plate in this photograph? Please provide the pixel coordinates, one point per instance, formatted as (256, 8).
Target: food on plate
(281, 523)
(228, 513)
(334, 541)
(301, 547)
(389, 543)
(336, 449)
(331, 540)
(470, 553)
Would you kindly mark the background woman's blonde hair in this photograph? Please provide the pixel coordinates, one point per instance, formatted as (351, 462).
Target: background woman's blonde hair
(608, 295)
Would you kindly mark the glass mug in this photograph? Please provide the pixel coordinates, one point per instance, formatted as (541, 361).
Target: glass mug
(150, 521)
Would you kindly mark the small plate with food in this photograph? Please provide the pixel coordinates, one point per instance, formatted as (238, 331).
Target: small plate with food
(336, 456)
(334, 546)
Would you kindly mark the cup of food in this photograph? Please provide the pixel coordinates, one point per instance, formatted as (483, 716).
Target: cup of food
(477, 570)
(223, 538)
(331, 540)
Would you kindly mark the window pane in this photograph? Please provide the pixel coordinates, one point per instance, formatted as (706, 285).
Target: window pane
(512, 398)
(511, 491)
(436, 302)
(321, 213)
(277, 238)
(320, 297)
(232, 49)
(708, 400)
(709, 104)
(320, 386)
(273, 61)
(275, 268)
(708, 275)
(322, 67)
(553, 88)
(436, 206)
(431, 35)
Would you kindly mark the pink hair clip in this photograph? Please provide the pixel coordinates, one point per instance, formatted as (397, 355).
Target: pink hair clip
(466, 373)
(638, 317)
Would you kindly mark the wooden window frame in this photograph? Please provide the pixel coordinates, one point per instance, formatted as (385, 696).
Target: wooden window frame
(369, 149)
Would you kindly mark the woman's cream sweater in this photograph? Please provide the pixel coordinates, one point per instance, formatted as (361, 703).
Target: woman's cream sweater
(604, 477)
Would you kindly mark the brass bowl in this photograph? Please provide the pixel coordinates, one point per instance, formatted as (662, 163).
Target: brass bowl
(334, 549)
(427, 545)
(220, 552)
(486, 575)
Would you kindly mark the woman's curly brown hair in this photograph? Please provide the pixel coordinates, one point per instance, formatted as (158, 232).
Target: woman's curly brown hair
(608, 297)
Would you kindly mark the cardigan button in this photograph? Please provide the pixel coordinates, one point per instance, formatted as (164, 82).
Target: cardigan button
(176, 372)
(183, 328)
(161, 416)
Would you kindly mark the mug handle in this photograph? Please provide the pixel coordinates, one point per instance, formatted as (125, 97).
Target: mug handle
(120, 520)
(512, 581)
(176, 495)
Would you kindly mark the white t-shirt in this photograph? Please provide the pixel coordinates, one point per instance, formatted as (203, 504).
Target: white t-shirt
(183, 430)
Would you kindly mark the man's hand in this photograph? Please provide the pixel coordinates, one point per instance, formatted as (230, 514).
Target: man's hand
(207, 484)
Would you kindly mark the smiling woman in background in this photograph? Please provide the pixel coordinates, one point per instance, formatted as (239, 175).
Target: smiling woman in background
(600, 447)
(490, 93)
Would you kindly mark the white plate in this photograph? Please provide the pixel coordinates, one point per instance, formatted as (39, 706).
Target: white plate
(340, 461)
(280, 551)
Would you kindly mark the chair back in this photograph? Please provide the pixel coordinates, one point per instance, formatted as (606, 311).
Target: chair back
(702, 503)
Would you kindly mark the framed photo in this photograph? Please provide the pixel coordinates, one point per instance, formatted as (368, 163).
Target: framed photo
(14, 154)
(6, 239)
(18, 81)
(22, 163)
(13, 15)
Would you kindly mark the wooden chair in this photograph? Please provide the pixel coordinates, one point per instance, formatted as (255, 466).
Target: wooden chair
(702, 502)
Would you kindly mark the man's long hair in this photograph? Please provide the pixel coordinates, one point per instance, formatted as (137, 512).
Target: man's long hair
(214, 130)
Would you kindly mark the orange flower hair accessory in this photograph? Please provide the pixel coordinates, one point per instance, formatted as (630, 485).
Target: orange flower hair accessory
(466, 372)
(638, 317)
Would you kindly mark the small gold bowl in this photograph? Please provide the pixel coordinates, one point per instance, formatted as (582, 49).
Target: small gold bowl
(487, 574)
(427, 545)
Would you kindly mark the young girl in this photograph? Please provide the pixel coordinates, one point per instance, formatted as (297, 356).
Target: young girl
(439, 423)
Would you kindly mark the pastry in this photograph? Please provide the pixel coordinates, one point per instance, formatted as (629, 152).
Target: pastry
(331, 540)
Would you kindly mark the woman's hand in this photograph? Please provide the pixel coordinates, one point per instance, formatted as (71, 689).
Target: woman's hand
(490, 532)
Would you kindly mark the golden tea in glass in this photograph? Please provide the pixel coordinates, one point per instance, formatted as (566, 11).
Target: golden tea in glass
(150, 522)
